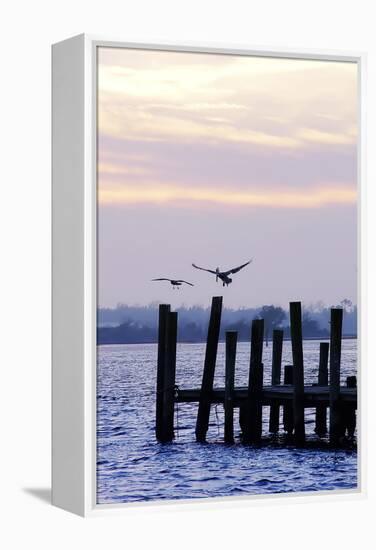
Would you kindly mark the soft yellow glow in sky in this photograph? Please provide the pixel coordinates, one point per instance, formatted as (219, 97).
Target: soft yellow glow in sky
(162, 194)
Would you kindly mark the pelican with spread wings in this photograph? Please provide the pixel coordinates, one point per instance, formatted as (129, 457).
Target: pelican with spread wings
(223, 275)
(176, 283)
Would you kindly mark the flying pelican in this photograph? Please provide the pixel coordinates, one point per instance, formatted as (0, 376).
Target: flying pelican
(175, 282)
(223, 275)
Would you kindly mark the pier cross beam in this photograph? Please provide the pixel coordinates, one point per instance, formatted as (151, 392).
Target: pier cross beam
(203, 414)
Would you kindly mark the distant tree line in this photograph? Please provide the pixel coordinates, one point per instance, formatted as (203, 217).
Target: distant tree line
(138, 324)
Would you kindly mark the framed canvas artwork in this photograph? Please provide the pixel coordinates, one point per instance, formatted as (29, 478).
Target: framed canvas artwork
(206, 254)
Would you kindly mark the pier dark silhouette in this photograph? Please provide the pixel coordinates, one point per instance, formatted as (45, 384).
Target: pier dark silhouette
(294, 396)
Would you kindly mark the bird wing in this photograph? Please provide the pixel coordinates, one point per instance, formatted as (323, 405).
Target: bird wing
(203, 269)
(236, 269)
(161, 279)
(186, 282)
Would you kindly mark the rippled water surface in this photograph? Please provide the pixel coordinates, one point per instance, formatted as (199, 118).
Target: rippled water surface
(132, 466)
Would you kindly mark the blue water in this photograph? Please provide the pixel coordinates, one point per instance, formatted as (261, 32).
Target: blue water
(132, 466)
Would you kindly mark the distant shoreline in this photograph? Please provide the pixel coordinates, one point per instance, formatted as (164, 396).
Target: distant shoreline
(319, 338)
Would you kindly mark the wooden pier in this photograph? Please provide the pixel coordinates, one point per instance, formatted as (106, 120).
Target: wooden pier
(292, 397)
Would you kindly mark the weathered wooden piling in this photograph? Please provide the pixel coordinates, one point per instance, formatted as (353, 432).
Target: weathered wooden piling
(164, 310)
(231, 342)
(202, 423)
(321, 427)
(298, 373)
(276, 378)
(335, 424)
(288, 412)
(253, 424)
(350, 409)
(167, 432)
(351, 382)
(243, 419)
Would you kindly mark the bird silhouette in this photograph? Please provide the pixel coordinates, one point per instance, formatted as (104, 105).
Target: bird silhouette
(223, 275)
(176, 283)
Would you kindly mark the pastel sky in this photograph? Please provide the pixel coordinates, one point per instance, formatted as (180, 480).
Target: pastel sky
(216, 159)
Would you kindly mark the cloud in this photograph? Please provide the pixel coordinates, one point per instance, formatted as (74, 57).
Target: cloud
(194, 128)
(159, 96)
(225, 165)
(209, 130)
(328, 138)
(160, 193)
(118, 169)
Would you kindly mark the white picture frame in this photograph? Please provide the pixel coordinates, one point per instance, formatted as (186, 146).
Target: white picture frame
(74, 261)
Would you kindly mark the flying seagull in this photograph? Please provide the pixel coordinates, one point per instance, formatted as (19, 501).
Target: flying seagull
(175, 282)
(223, 275)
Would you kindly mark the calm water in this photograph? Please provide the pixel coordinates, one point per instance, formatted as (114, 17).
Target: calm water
(132, 466)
